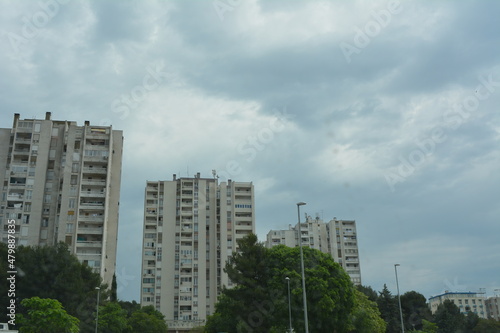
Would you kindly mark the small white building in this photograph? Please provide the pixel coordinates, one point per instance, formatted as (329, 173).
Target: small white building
(465, 301)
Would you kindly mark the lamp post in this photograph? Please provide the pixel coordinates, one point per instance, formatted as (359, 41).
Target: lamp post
(399, 299)
(289, 306)
(304, 296)
(97, 308)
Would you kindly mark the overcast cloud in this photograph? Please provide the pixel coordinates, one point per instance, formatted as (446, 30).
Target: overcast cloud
(378, 111)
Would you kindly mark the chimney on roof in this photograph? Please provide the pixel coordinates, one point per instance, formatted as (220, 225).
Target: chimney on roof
(47, 115)
(16, 118)
(175, 176)
(198, 175)
(87, 123)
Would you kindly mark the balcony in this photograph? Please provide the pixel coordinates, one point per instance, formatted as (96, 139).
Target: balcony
(90, 230)
(91, 205)
(98, 171)
(243, 227)
(99, 133)
(92, 244)
(95, 158)
(92, 218)
(89, 256)
(95, 182)
(23, 140)
(22, 152)
(92, 194)
(151, 212)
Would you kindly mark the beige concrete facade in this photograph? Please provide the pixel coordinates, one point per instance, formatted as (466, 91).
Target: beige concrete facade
(61, 183)
(493, 307)
(336, 237)
(465, 301)
(191, 226)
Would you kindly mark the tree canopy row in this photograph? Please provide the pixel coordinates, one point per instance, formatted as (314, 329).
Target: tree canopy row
(57, 293)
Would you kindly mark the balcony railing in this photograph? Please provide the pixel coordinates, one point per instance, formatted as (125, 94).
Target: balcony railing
(184, 324)
(94, 244)
(102, 171)
(89, 230)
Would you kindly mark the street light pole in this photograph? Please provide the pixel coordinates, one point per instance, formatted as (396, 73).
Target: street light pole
(289, 306)
(97, 308)
(304, 296)
(399, 299)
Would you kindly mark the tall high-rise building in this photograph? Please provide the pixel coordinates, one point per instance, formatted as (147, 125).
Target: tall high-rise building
(61, 183)
(336, 237)
(191, 228)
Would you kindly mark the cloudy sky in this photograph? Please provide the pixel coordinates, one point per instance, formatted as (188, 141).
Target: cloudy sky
(382, 112)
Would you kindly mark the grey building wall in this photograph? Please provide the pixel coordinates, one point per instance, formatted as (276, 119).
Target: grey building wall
(191, 226)
(61, 183)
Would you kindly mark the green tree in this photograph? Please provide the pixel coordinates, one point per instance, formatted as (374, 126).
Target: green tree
(225, 318)
(427, 327)
(46, 315)
(487, 326)
(369, 292)
(112, 318)
(415, 309)
(388, 306)
(113, 297)
(53, 272)
(365, 315)
(448, 318)
(147, 320)
(470, 322)
(259, 302)
(130, 307)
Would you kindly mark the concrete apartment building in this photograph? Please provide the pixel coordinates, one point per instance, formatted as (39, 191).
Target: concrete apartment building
(466, 302)
(493, 307)
(336, 237)
(191, 226)
(61, 183)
